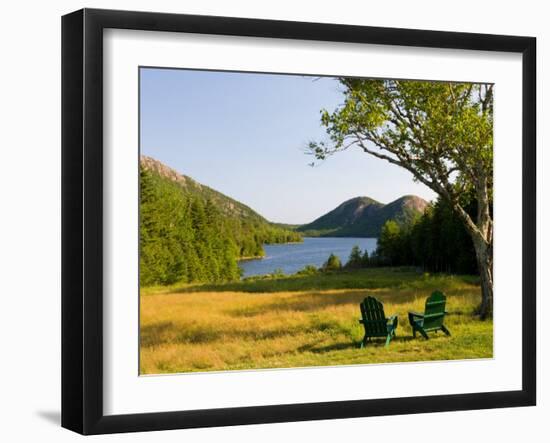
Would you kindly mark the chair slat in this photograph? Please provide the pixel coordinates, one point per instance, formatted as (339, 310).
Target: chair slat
(434, 315)
(374, 319)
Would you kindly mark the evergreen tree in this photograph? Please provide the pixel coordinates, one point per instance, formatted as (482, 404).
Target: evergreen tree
(365, 259)
(332, 264)
(436, 241)
(390, 242)
(355, 259)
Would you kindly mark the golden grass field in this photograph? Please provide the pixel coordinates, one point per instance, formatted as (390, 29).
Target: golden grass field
(266, 324)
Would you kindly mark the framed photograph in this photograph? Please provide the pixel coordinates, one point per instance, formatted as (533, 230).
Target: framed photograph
(269, 221)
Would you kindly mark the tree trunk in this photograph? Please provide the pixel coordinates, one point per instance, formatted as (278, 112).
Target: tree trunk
(484, 255)
(481, 233)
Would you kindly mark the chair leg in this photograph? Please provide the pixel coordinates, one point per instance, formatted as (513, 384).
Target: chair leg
(423, 333)
(412, 319)
(364, 342)
(388, 339)
(445, 330)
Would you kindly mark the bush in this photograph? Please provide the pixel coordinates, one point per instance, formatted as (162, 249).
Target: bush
(277, 273)
(332, 264)
(308, 270)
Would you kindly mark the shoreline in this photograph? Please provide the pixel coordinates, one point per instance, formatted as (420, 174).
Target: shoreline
(259, 257)
(252, 257)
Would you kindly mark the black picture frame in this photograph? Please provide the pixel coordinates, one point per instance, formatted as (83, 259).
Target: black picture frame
(82, 218)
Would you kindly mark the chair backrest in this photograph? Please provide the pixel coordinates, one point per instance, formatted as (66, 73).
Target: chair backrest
(374, 318)
(434, 312)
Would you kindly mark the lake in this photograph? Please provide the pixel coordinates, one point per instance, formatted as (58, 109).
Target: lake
(292, 257)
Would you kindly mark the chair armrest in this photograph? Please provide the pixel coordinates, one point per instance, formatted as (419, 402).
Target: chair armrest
(415, 314)
(415, 319)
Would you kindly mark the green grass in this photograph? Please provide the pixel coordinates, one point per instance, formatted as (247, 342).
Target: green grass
(303, 321)
(371, 278)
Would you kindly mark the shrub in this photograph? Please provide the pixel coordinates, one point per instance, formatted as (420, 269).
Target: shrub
(333, 263)
(308, 270)
(278, 273)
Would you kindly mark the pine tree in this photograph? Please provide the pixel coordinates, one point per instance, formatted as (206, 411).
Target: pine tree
(355, 259)
(365, 259)
(332, 264)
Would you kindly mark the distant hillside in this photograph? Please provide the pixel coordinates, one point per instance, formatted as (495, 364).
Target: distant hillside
(363, 217)
(190, 232)
(225, 204)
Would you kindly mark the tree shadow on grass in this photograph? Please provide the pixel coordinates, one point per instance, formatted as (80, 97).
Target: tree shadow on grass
(150, 335)
(158, 334)
(316, 301)
(311, 301)
(328, 348)
(374, 343)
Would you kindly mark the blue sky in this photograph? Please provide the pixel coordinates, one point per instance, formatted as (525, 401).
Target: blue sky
(245, 135)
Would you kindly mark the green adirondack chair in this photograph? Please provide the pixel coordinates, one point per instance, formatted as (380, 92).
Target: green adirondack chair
(433, 317)
(375, 322)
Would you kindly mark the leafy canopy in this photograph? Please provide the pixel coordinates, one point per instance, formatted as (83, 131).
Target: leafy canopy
(440, 132)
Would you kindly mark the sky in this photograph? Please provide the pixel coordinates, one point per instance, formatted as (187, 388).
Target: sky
(246, 134)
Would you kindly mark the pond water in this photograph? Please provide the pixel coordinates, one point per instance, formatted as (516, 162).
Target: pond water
(292, 257)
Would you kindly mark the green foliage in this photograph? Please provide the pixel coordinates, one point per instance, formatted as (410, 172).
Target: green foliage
(355, 259)
(430, 128)
(402, 278)
(437, 241)
(186, 238)
(308, 270)
(278, 273)
(389, 242)
(332, 264)
(182, 238)
(365, 259)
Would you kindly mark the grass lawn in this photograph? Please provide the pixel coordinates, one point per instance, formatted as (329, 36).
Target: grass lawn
(302, 321)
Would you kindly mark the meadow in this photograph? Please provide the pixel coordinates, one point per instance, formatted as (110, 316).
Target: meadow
(303, 320)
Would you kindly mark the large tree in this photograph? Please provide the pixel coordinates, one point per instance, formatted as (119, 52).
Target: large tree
(441, 132)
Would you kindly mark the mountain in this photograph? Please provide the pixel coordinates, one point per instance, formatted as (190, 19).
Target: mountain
(166, 196)
(225, 204)
(363, 217)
